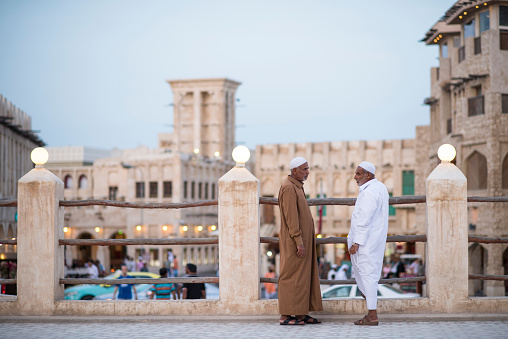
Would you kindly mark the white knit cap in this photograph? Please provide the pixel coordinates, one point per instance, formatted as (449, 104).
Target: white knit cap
(368, 167)
(297, 162)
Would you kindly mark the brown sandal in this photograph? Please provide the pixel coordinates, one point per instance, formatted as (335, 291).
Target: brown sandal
(365, 322)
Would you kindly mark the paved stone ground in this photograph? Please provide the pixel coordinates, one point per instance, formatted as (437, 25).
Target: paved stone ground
(425, 326)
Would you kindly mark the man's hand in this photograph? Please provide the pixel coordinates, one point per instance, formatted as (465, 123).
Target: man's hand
(353, 248)
(300, 251)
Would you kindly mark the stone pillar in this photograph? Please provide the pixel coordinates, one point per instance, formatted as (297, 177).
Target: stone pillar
(40, 258)
(239, 257)
(447, 243)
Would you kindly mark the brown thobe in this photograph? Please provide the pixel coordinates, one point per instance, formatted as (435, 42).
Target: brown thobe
(299, 290)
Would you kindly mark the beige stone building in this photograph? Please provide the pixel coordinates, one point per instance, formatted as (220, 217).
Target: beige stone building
(332, 166)
(17, 140)
(185, 167)
(469, 109)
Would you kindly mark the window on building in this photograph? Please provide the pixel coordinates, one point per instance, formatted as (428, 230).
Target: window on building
(469, 29)
(167, 189)
(408, 182)
(503, 40)
(153, 189)
(476, 105)
(391, 208)
(83, 181)
(444, 51)
(504, 103)
(206, 190)
(462, 53)
(484, 21)
(192, 190)
(213, 191)
(449, 126)
(476, 171)
(477, 45)
(185, 189)
(505, 172)
(140, 189)
(113, 190)
(68, 181)
(200, 189)
(503, 16)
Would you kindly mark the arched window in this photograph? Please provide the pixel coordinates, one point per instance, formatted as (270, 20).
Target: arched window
(68, 181)
(83, 181)
(504, 172)
(476, 171)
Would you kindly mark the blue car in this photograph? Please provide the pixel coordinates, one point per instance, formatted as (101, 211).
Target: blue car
(90, 292)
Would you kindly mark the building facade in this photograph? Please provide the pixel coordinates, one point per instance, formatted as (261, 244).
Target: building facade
(332, 166)
(17, 140)
(469, 109)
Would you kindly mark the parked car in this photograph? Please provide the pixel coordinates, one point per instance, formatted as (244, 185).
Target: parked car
(90, 292)
(352, 291)
(144, 293)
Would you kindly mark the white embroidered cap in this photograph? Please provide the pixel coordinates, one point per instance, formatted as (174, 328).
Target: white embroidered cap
(368, 167)
(297, 162)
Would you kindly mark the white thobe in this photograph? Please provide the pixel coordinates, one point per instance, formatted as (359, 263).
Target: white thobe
(369, 227)
(342, 275)
(332, 274)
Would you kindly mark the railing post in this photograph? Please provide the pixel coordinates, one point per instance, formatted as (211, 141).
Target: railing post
(239, 260)
(40, 257)
(447, 239)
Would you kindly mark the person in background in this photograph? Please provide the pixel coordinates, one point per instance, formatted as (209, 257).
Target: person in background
(125, 290)
(139, 264)
(415, 267)
(175, 267)
(270, 288)
(100, 267)
(93, 271)
(163, 291)
(332, 274)
(386, 270)
(194, 290)
(131, 265)
(342, 274)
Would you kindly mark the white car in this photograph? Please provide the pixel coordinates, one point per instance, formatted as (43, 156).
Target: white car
(352, 291)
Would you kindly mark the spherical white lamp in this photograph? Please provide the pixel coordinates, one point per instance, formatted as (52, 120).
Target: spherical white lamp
(446, 153)
(241, 155)
(39, 156)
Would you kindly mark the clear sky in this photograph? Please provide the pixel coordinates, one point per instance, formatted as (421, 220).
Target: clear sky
(93, 73)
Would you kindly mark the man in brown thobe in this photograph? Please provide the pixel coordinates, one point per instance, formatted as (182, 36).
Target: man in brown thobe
(299, 291)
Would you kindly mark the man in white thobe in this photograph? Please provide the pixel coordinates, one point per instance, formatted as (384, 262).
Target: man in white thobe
(367, 237)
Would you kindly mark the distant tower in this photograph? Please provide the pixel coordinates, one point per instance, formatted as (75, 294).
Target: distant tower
(204, 116)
